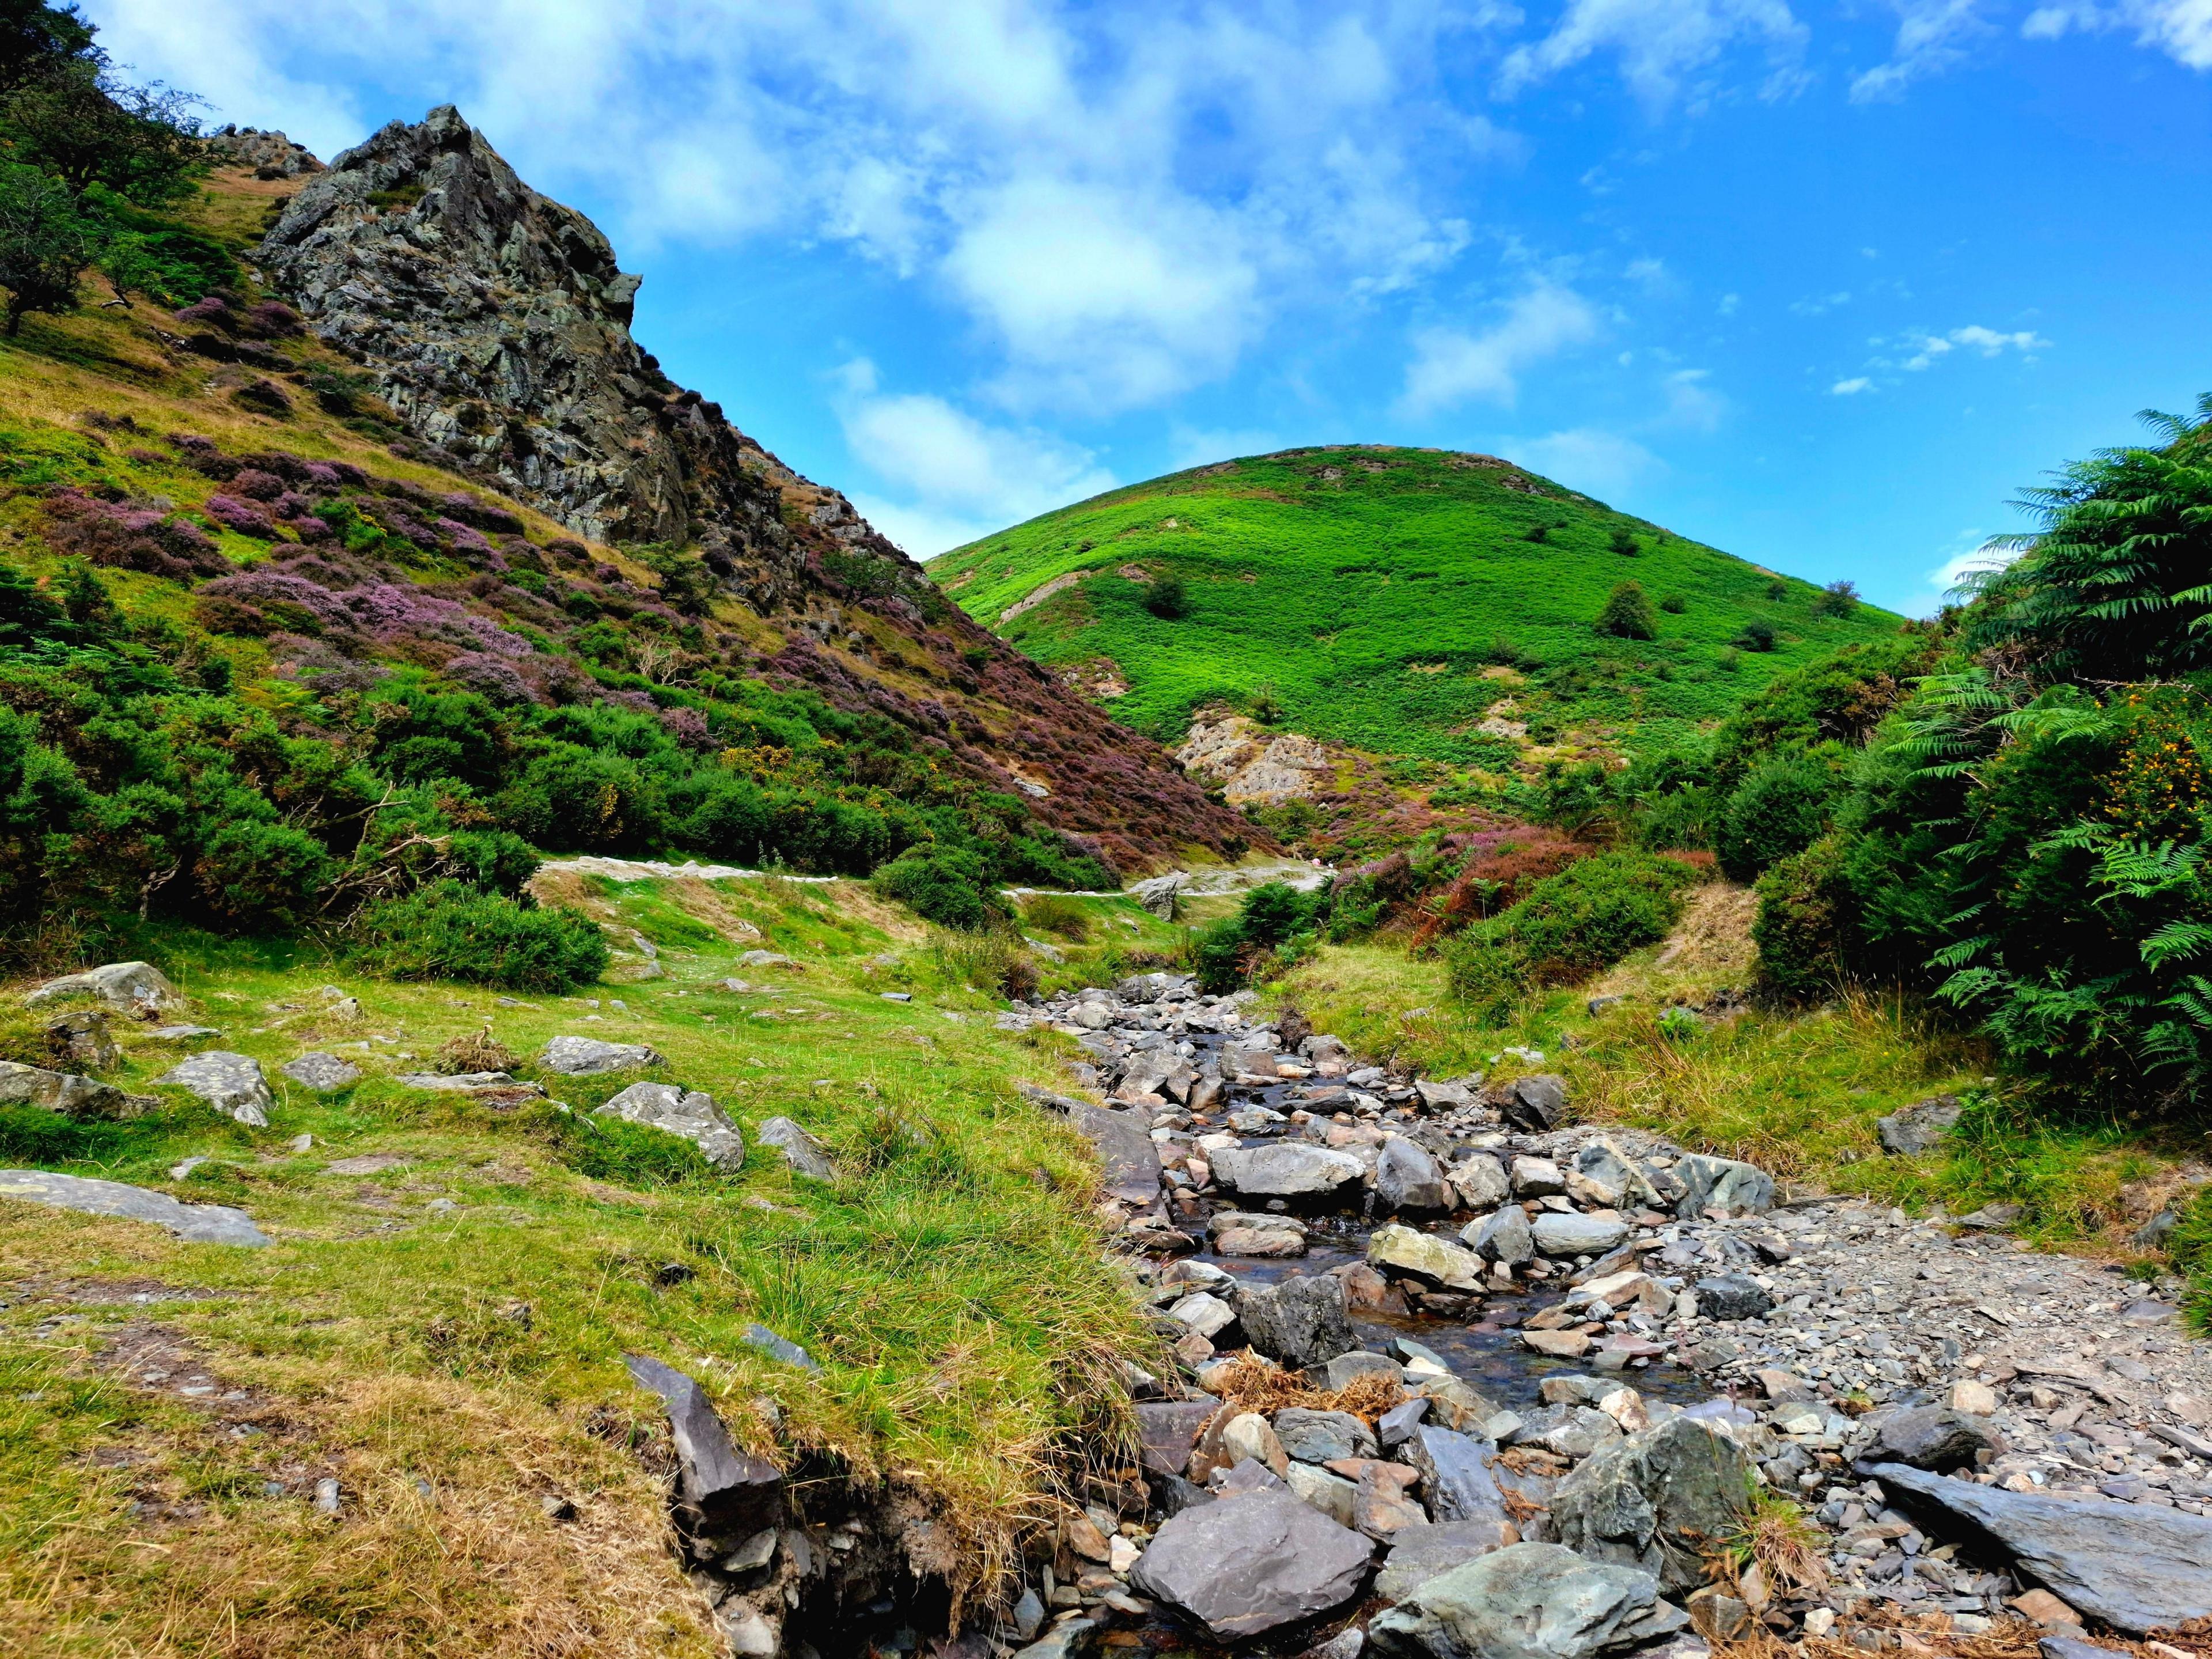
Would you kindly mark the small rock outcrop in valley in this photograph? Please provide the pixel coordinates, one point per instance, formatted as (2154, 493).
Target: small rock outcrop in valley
(496, 323)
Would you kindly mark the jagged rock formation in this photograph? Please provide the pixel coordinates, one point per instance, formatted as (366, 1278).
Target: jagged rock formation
(496, 323)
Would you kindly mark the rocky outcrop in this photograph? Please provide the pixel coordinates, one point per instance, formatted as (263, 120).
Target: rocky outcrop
(201, 1224)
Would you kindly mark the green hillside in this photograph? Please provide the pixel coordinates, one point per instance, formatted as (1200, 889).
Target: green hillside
(1388, 598)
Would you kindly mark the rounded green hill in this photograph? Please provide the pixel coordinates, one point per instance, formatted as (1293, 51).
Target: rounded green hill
(1390, 599)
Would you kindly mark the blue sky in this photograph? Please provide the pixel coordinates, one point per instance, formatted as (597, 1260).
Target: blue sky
(1822, 285)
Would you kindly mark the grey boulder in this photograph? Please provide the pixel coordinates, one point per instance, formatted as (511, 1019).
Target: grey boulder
(2135, 1566)
(583, 1056)
(1721, 1183)
(1535, 1103)
(1655, 1500)
(324, 1073)
(1731, 1297)
(1127, 1157)
(683, 1112)
(1479, 1181)
(725, 1488)
(71, 1095)
(1285, 1168)
(1455, 1474)
(1316, 1437)
(201, 1224)
(1406, 1253)
(804, 1154)
(1526, 1601)
(137, 987)
(1919, 1127)
(1246, 1565)
(1408, 1178)
(230, 1082)
(1300, 1320)
(1930, 1438)
(1420, 1553)
(1504, 1237)
(1575, 1234)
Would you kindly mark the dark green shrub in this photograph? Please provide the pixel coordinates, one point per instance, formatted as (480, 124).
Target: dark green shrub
(1627, 614)
(1570, 926)
(1782, 808)
(1623, 542)
(1274, 920)
(1803, 911)
(1674, 605)
(948, 886)
(448, 932)
(257, 873)
(1757, 634)
(1838, 598)
(1166, 597)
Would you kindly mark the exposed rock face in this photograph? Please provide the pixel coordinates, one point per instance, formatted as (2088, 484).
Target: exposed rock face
(1526, 1601)
(581, 1056)
(271, 154)
(230, 1082)
(64, 1092)
(2135, 1567)
(1251, 765)
(724, 1487)
(688, 1113)
(1655, 1500)
(201, 1224)
(1919, 1127)
(324, 1073)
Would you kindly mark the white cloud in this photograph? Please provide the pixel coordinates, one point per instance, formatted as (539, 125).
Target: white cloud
(2182, 29)
(1196, 446)
(1967, 552)
(1931, 36)
(1929, 348)
(954, 478)
(1451, 366)
(1659, 43)
(1818, 305)
(1691, 404)
(1586, 459)
(1851, 387)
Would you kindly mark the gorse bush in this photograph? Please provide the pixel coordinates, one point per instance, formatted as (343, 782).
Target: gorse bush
(450, 931)
(1628, 614)
(1166, 597)
(1275, 925)
(1781, 808)
(947, 885)
(1570, 926)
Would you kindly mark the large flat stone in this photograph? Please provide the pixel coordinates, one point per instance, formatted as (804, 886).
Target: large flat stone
(1407, 1253)
(324, 1073)
(583, 1056)
(681, 1112)
(1285, 1168)
(1249, 1563)
(135, 987)
(727, 1488)
(1575, 1233)
(2133, 1565)
(1299, 1320)
(1167, 1428)
(1420, 1553)
(230, 1082)
(1406, 1177)
(64, 1092)
(1526, 1601)
(202, 1223)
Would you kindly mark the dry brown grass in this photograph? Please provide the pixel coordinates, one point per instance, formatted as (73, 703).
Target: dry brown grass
(1252, 1383)
(477, 1051)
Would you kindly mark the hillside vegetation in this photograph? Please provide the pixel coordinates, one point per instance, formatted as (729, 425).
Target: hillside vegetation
(1394, 600)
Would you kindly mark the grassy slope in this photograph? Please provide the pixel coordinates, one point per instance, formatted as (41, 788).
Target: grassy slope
(459, 1319)
(1370, 602)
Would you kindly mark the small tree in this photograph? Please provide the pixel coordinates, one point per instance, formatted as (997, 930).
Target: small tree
(1166, 599)
(1837, 599)
(141, 143)
(36, 38)
(44, 244)
(1628, 614)
(1623, 543)
(1757, 634)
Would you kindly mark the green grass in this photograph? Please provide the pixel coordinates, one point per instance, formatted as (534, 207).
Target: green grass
(460, 1319)
(1366, 606)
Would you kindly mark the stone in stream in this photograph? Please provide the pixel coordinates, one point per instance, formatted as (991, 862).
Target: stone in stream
(1244, 1232)
(1205, 1313)
(1526, 1601)
(1285, 1168)
(1396, 1426)
(1721, 1183)
(201, 1224)
(1918, 1127)
(583, 1056)
(1455, 1474)
(1655, 1500)
(1930, 1438)
(1573, 1432)
(324, 1073)
(1575, 1234)
(1504, 1237)
(2135, 1566)
(1299, 1320)
(1420, 1553)
(136, 988)
(1408, 1178)
(72, 1097)
(1537, 1177)
(1167, 1428)
(1243, 1565)
(1316, 1437)
(1731, 1297)
(1447, 1093)
(1123, 1141)
(802, 1153)
(687, 1112)
(1403, 1251)
(230, 1082)
(728, 1489)
(1535, 1103)
(1332, 1494)
(1479, 1181)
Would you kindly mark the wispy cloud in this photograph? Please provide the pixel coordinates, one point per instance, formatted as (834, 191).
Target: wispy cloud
(1660, 44)
(2182, 29)
(1928, 349)
(1851, 387)
(1451, 366)
(1932, 35)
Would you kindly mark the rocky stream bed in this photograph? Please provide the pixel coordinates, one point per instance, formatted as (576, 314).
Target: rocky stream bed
(1455, 1376)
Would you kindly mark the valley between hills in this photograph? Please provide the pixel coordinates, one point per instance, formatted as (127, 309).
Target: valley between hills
(1345, 1051)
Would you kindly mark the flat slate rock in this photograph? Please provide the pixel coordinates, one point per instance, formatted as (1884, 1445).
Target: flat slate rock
(583, 1056)
(1123, 1141)
(1526, 1601)
(2136, 1566)
(685, 1112)
(1167, 1428)
(1284, 1169)
(324, 1073)
(1246, 1565)
(1420, 1553)
(64, 1092)
(201, 1224)
(729, 1488)
(230, 1082)
(128, 985)
(805, 1154)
